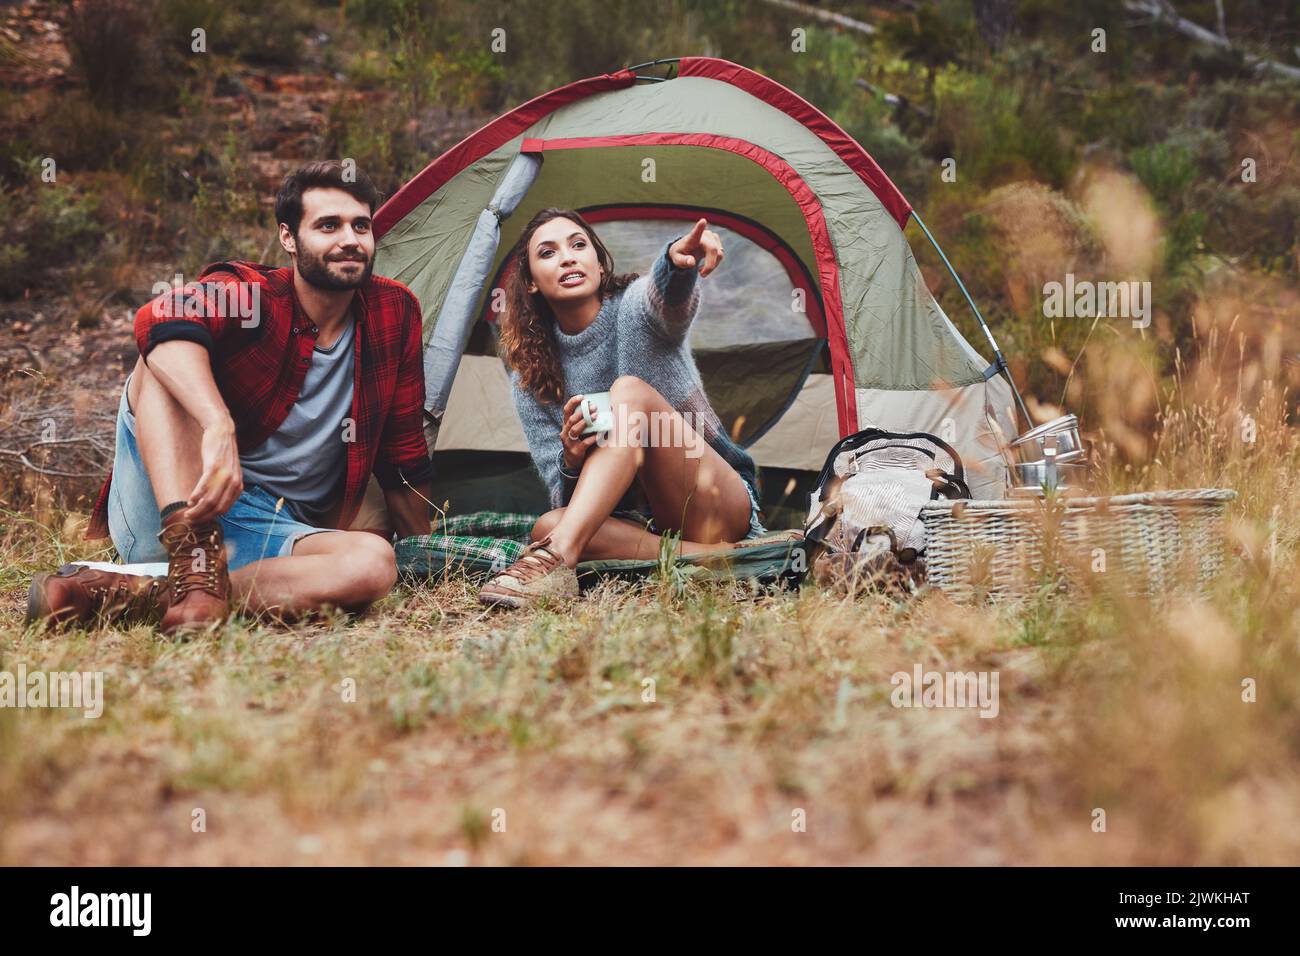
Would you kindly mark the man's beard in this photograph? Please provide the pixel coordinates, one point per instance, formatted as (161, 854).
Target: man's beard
(315, 271)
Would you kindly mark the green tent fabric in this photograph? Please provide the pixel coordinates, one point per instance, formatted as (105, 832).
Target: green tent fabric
(818, 325)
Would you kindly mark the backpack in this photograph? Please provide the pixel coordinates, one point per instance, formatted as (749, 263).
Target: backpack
(868, 498)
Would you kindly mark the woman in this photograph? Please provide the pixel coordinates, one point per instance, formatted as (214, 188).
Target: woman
(571, 327)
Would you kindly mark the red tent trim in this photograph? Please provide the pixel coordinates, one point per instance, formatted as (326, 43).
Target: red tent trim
(795, 106)
(509, 125)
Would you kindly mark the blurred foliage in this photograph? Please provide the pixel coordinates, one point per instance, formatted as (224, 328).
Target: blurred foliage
(226, 221)
(1017, 95)
(116, 53)
(380, 137)
(43, 226)
(999, 131)
(251, 30)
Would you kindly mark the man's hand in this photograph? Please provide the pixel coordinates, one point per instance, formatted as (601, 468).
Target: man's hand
(700, 241)
(408, 509)
(575, 446)
(222, 481)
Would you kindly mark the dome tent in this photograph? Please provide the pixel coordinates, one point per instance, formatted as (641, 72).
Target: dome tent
(818, 325)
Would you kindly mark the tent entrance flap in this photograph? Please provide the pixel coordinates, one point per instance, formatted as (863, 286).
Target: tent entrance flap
(451, 332)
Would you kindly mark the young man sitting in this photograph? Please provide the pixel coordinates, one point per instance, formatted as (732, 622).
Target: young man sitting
(262, 401)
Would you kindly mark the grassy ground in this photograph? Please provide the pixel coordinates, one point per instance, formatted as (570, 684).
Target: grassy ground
(532, 738)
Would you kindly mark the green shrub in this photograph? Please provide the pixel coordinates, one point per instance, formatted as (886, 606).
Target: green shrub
(1165, 169)
(470, 78)
(1277, 231)
(371, 70)
(826, 78)
(1130, 115)
(80, 135)
(226, 221)
(899, 158)
(43, 226)
(1184, 239)
(251, 30)
(998, 132)
(931, 38)
(378, 135)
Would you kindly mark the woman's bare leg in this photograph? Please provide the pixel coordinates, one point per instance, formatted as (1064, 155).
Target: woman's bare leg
(619, 538)
(689, 485)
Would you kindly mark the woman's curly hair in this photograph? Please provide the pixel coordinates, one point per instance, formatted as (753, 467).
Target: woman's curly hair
(527, 342)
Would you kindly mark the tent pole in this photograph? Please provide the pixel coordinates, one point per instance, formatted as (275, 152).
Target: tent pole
(666, 59)
(999, 362)
(655, 79)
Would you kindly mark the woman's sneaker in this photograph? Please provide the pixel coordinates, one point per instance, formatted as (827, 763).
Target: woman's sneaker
(539, 572)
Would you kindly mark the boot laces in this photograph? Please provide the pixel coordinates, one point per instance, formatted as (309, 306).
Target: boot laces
(183, 577)
(119, 597)
(536, 561)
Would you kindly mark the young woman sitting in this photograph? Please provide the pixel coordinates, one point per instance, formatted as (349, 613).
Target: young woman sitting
(573, 328)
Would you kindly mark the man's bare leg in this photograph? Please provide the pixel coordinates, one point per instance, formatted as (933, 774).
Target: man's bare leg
(169, 438)
(346, 569)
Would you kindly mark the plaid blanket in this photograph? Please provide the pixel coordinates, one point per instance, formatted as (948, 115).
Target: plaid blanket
(480, 543)
(485, 542)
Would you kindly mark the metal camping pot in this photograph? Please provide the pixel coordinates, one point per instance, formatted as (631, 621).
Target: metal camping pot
(1032, 446)
(1036, 477)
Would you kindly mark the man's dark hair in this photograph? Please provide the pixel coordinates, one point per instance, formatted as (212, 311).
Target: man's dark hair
(324, 174)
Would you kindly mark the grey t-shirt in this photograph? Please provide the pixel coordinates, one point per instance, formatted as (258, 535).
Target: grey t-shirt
(305, 459)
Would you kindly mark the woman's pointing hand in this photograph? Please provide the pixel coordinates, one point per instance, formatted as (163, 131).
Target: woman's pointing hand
(699, 242)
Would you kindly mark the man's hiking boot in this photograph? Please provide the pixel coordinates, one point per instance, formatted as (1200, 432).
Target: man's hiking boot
(196, 574)
(82, 595)
(538, 572)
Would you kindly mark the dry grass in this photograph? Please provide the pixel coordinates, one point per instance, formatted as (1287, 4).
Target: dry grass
(762, 706)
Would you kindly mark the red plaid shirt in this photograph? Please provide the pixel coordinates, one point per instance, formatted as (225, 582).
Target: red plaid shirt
(259, 366)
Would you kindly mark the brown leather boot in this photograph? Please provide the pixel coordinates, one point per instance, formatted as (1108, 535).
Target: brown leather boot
(81, 595)
(196, 574)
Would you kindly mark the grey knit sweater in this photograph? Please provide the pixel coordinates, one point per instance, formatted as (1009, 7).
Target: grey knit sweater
(642, 331)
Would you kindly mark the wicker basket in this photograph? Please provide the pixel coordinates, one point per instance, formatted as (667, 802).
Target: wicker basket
(1143, 544)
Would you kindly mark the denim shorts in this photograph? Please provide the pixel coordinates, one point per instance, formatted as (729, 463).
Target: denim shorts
(755, 526)
(252, 528)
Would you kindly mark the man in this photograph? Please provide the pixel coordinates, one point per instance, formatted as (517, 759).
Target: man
(262, 401)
